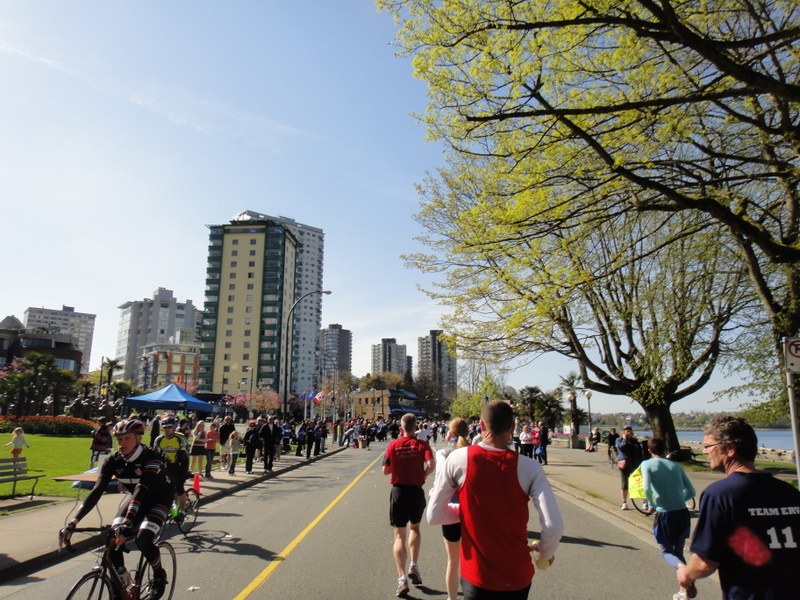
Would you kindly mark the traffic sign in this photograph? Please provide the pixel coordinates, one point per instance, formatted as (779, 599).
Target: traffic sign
(791, 352)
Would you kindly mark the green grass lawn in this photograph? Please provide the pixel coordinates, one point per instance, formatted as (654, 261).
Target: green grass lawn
(51, 456)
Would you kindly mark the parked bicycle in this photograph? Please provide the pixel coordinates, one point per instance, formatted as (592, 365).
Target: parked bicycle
(105, 582)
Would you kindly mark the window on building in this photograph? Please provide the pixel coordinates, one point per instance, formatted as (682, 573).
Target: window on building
(249, 297)
(229, 321)
(231, 286)
(248, 309)
(226, 357)
(250, 275)
(231, 297)
(233, 264)
(249, 286)
(227, 344)
(245, 357)
(234, 253)
(246, 333)
(232, 275)
(253, 241)
(234, 242)
(228, 333)
(251, 264)
(252, 252)
(226, 369)
(245, 344)
(230, 309)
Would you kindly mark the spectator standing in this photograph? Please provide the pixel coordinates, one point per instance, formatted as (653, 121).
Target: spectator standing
(749, 523)
(494, 485)
(268, 439)
(408, 461)
(629, 457)
(286, 435)
(667, 488)
(225, 430)
(212, 439)
(234, 446)
(18, 442)
(300, 436)
(517, 432)
(198, 451)
(526, 441)
(456, 437)
(101, 442)
(251, 442)
(543, 438)
(155, 429)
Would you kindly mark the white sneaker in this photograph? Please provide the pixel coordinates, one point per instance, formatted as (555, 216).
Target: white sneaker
(624, 506)
(681, 595)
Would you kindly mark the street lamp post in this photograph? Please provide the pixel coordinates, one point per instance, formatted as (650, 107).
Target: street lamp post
(287, 364)
(588, 394)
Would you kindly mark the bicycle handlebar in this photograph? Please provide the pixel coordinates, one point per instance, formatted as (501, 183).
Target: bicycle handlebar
(65, 537)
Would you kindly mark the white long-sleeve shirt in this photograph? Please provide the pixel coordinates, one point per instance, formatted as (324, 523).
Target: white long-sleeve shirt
(532, 479)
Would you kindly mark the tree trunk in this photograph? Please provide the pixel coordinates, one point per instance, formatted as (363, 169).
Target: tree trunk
(662, 425)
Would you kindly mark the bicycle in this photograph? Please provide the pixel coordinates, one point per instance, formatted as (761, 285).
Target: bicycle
(190, 511)
(104, 582)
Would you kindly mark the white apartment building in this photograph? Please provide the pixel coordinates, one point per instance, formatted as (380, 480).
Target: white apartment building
(65, 321)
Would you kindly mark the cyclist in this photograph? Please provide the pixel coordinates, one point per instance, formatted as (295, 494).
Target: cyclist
(141, 470)
(175, 447)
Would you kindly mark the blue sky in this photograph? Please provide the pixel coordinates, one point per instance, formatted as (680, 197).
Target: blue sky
(128, 127)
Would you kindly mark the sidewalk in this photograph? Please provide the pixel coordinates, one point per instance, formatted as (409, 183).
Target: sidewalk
(29, 537)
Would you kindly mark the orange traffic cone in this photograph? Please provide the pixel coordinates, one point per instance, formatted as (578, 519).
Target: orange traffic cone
(196, 484)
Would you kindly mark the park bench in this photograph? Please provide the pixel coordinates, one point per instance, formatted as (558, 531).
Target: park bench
(13, 470)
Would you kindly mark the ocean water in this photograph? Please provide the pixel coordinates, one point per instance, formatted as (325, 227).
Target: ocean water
(777, 439)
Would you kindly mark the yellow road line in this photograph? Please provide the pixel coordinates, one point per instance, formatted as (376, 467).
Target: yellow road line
(264, 575)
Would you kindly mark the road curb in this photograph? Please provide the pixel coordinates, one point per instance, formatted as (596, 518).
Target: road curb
(54, 557)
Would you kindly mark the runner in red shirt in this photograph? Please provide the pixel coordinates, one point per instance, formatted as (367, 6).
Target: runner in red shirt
(408, 461)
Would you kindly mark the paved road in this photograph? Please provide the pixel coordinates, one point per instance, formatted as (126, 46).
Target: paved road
(300, 536)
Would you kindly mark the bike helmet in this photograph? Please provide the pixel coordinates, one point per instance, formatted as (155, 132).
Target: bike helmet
(168, 422)
(128, 426)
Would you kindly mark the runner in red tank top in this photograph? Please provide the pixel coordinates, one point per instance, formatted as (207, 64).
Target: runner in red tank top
(494, 485)
(408, 461)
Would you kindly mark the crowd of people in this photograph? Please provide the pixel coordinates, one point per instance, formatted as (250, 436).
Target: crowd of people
(485, 477)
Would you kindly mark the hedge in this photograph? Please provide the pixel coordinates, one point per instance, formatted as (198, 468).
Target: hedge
(48, 425)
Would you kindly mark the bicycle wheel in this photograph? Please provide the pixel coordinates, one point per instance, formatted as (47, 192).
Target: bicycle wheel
(92, 586)
(640, 504)
(144, 574)
(191, 511)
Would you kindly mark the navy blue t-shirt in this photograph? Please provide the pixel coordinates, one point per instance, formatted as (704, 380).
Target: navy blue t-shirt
(749, 523)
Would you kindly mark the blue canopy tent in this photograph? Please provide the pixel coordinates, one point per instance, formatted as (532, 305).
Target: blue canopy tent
(172, 398)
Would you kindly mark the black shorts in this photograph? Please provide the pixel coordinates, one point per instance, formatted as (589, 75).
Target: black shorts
(406, 504)
(452, 533)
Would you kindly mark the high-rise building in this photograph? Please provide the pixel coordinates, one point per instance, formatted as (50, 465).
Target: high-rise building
(435, 362)
(307, 315)
(65, 321)
(157, 320)
(389, 357)
(336, 351)
(250, 287)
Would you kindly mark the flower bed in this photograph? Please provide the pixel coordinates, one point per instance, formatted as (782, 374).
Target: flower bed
(48, 425)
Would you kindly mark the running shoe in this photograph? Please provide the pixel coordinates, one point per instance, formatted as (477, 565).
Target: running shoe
(402, 588)
(159, 585)
(414, 576)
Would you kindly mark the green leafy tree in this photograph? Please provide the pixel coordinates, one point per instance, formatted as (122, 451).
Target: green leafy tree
(568, 110)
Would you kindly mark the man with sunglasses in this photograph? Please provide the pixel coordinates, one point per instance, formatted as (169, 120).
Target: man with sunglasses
(176, 450)
(749, 522)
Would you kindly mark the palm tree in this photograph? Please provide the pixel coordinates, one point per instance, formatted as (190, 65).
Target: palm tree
(537, 405)
(112, 364)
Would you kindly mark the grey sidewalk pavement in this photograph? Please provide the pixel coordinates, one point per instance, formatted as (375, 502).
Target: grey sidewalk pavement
(28, 538)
